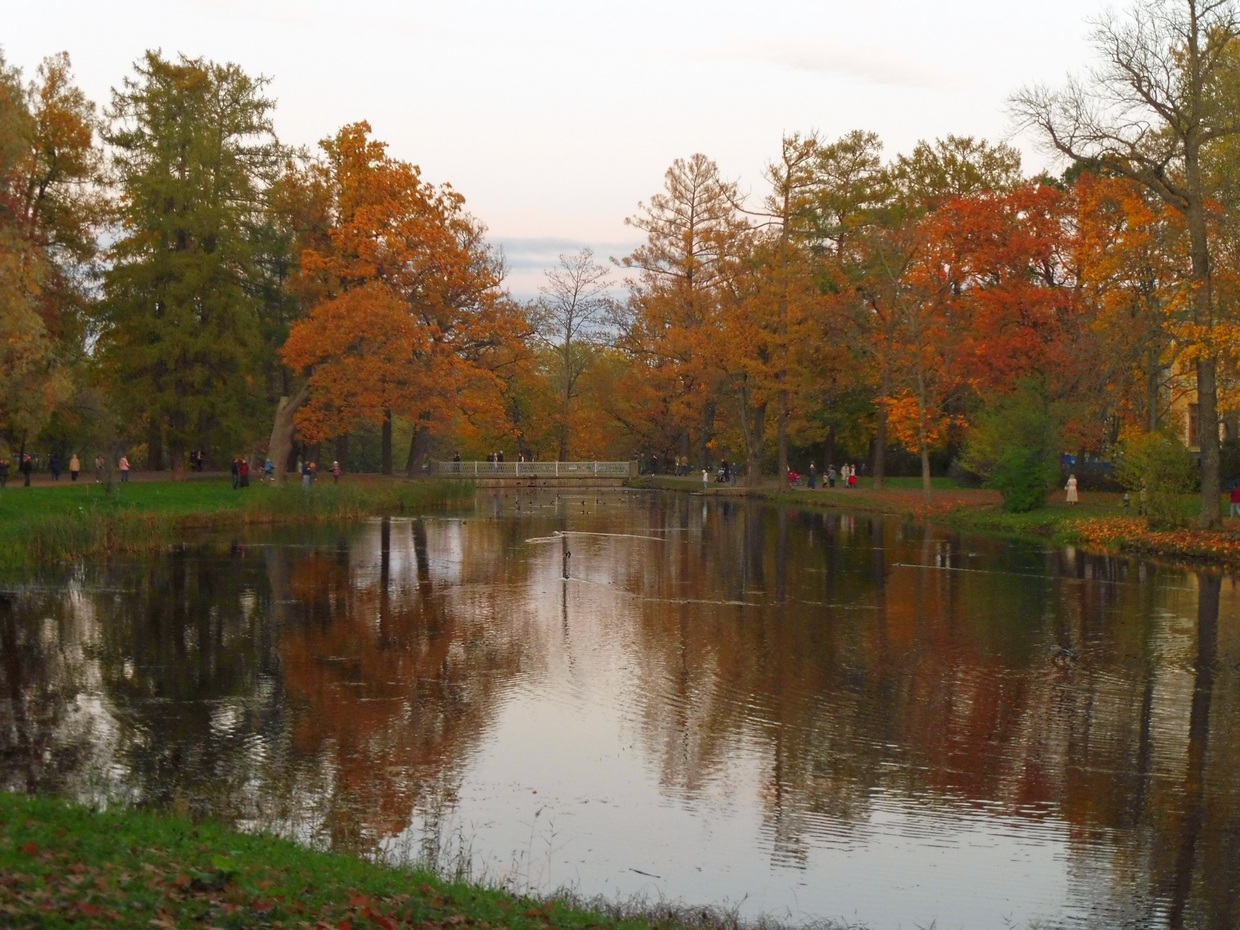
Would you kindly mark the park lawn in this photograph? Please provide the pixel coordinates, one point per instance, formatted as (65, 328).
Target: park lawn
(174, 498)
(64, 866)
(56, 522)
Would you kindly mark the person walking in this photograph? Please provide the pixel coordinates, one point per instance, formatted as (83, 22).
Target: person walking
(831, 476)
(1070, 488)
(4, 471)
(99, 466)
(307, 473)
(75, 467)
(335, 472)
(54, 465)
(243, 472)
(813, 476)
(27, 467)
(123, 465)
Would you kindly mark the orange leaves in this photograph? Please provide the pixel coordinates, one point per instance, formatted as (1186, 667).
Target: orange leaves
(405, 301)
(914, 426)
(357, 348)
(1131, 534)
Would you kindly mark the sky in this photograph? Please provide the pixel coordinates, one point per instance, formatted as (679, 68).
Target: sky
(556, 118)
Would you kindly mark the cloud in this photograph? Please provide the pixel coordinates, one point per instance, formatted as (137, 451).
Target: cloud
(873, 65)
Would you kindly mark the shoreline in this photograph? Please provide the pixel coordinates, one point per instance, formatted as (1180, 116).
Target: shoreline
(61, 521)
(67, 865)
(1099, 523)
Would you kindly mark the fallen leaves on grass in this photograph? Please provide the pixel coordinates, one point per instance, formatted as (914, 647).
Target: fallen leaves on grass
(175, 894)
(1131, 534)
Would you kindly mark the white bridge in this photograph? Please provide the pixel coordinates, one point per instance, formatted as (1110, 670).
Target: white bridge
(545, 473)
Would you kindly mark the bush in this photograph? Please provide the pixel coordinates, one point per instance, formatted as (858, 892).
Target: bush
(1014, 446)
(1159, 470)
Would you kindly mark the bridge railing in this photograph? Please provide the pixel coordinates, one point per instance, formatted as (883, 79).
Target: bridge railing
(533, 469)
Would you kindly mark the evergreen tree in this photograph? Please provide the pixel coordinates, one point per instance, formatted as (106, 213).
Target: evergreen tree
(194, 158)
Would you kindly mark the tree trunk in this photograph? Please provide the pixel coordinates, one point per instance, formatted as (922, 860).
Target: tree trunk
(1207, 439)
(419, 445)
(755, 441)
(280, 445)
(154, 446)
(1203, 313)
(386, 455)
(708, 429)
(781, 428)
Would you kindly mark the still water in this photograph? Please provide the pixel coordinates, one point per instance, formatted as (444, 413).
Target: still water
(792, 714)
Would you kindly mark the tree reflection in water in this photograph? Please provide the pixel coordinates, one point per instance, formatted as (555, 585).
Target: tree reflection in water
(823, 691)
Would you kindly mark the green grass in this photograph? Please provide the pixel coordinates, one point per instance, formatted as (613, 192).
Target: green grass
(64, 521)
(914, 483)
(64, 866)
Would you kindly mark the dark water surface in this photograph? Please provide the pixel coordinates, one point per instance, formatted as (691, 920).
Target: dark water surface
(789, 713)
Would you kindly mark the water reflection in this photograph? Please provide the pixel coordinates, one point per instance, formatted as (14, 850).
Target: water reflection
(813, 715)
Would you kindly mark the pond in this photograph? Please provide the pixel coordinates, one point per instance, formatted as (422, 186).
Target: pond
(780, 712)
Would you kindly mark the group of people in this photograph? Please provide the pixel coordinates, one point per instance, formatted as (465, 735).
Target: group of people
(309, 471)
(846, 474)
(240, 472)
(26, 466)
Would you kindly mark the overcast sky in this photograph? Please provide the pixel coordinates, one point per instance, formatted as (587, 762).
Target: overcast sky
(554, 119)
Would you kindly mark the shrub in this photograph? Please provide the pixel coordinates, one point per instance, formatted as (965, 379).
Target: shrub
(1014, 445)
(1160, 471)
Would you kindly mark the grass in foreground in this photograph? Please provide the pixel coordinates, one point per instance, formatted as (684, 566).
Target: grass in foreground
(63, 866)
(65, 521)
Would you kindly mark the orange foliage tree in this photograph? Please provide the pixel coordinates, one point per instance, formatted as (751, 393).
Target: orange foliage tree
(1131, 250)
(991, 302)
(895, 291)
(672, 322)
(406, 313)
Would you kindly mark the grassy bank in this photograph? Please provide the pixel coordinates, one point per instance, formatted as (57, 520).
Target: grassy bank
(1099, 522)
(63, 521)
(62, 866)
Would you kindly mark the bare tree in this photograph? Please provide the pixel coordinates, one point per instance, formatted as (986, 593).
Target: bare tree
(1162, 95)
(571, 318)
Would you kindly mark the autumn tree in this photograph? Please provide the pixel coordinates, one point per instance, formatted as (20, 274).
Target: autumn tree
(671, 314)
(905, 281)
(50, 207)
(1163, 95)
(781, 317)
(406, 316)
(1131, 252)
(193, 156)
(852, 191)
(572, 317)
